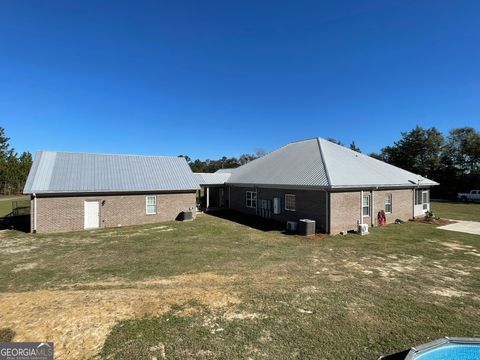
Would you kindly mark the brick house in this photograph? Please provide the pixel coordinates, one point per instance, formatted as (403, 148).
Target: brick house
(335, 186)
(76, 191)
(313, 179)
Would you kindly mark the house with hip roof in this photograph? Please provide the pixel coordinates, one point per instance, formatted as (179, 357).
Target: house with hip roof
(311, 179)
(319, 180)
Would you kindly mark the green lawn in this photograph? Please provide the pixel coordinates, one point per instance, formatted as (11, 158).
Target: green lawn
(216, 289)
(456, 210)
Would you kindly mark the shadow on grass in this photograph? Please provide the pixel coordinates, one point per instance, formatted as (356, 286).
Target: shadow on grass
(252, 221)
(15, 222)
(398, 356)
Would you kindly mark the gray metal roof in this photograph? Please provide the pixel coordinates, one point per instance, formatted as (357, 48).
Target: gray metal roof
(64, 172)
(296, 164)
(223, 171)
(212, 178)
(319, 163)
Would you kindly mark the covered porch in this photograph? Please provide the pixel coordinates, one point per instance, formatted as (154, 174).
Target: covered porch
(213, 193)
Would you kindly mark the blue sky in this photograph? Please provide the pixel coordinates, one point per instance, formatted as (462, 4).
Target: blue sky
(213, 78)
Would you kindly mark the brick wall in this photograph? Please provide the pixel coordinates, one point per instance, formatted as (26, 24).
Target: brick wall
(345, 208)
(309, 204)
(66, 213)
(402, 204)
(345, 211)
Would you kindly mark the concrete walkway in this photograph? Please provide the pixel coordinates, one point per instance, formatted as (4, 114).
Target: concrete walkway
(469, 227)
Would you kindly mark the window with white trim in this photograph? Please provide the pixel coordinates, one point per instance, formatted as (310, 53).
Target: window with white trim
(418, 196)
(251, 199)
(366, 205)
(388, 203)
(151, 205)
(290, 202)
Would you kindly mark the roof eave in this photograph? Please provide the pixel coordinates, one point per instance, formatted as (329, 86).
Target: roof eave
(334, 187)
(383, 186)
(51, 192)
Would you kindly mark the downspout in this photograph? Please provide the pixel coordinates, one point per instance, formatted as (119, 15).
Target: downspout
(413, 203)
(208, 197)
(372, 215)
(361, 208)
(327, 210)
(372, 220)
(34, 228)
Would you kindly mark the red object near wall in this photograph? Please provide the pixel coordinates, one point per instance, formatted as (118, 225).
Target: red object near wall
(382, 218)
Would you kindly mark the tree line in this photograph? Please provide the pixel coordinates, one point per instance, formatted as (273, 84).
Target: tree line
(14, 167)
(210, 166)
(453, 159)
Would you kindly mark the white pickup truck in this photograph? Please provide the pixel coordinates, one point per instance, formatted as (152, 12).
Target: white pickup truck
(473, 195)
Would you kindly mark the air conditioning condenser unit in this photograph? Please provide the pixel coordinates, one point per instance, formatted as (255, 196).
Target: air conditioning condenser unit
(362, 229)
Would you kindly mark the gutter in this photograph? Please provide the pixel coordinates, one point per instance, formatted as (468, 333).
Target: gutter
(34, 227)
(329, 187)
(108, 192)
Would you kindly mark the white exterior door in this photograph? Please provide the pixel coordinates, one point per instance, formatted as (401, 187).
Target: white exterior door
(92, 214)
(421, 202)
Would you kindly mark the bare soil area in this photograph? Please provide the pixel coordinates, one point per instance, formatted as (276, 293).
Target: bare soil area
(78, 321)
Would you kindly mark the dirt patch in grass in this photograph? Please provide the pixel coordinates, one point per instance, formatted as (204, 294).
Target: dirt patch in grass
(388, 268)
(456, 246)
(78, 321)
(201, 279)
(23, 267)
(229, 316)
(448, 292)
(433, 221)
(11, 244)
(336, 277)
(460, 247)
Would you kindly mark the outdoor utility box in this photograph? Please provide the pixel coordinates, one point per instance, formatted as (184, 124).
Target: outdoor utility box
(306, 227)
(291, 227)
(186, 215)
(362, 229)
(276, 205)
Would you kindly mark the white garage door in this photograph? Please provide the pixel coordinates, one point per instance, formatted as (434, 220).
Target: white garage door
(92, 214)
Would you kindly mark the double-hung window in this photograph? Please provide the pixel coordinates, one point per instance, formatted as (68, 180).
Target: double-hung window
(418, 196)
(366, 205)
(388, 203)
(425, 199)
(151, 205)
(251, 199)
(289, 202)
